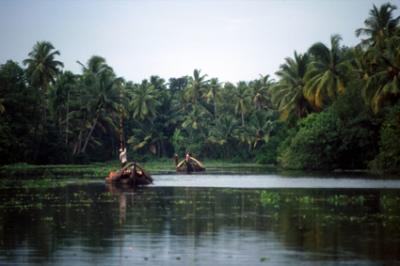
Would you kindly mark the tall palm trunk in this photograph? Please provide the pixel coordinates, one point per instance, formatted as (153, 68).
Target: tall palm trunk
(89, 135)
(67, 120)
(78, 144)
(121, 131)
(215, 109)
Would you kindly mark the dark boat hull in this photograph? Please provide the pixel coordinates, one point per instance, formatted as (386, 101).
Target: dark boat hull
(132, 175)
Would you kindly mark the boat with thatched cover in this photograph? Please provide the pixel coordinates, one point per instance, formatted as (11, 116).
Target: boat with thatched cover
(189, 164)
(131, 174)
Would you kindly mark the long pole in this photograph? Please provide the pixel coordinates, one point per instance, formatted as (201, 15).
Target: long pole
(121, 120)
(121, 130)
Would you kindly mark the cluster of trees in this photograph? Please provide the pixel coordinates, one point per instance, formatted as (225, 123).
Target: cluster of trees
(331, 107)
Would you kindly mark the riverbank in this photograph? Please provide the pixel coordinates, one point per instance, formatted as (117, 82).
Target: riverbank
(98, 170)
(102, 169)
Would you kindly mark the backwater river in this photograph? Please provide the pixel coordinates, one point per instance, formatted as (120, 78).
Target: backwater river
(206, 219)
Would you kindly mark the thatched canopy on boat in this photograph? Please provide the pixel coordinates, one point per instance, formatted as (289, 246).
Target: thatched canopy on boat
(132, 174)
(189, 164)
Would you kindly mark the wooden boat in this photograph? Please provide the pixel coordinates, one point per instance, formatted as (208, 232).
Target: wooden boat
(189, 164)
(131, 174)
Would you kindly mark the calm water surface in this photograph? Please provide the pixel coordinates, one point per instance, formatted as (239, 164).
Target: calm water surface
(204, 220)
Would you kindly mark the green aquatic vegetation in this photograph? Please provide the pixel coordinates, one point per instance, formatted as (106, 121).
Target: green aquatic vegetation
(269, 198)
(272, 198)
(305, 200)
(342, 200)
(390, 201)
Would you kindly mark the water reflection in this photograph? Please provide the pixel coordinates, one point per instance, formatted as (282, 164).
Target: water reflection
(106, 225)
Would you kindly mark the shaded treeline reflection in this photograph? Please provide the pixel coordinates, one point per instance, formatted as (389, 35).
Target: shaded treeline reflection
(362, 222)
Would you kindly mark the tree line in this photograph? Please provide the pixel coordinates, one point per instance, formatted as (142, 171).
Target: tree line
(330, 107)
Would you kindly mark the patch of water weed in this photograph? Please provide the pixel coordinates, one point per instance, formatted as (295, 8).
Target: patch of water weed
(305, 200)
(390, 201)
(268, 198)
(343, 200)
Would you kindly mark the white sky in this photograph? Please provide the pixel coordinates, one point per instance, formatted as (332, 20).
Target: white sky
(231, 40)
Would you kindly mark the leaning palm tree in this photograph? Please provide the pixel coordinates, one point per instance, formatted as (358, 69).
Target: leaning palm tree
(326, 75)
(380, 25)
(105, 108)
(288, 93)
(99, 103)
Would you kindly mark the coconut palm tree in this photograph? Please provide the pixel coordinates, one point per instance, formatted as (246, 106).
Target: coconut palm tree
(105, 107)
(263, 123)
(60, 99)
(260, 92)
(380, 25)
(195, 124)
(213, 94)
(223, 132)
(383, 85)
(326, 75)
(196, 85)
(99, 103)
(157, 82)
(288, 93)
(144, 101)
(177, 84)
(242, 98)
(42, 67)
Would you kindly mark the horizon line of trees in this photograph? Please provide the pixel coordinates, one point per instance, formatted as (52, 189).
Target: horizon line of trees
(331, 107)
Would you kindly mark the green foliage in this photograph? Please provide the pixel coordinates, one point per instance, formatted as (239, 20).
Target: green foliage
(268, 198)
(42, 66)
(326, 75)
(314, 144)
(332, 101)
(268, 152)
(342, 136)
(358, 129)
(288, 94)
(388, 158)
(18, 137)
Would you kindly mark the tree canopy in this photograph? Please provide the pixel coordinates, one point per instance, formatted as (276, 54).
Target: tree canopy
(327, 108)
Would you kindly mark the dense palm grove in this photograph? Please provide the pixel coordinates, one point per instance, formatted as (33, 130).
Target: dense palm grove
(331, 107)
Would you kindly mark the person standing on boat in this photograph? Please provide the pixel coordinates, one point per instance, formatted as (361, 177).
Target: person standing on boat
(189, 166)
(123, 156)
